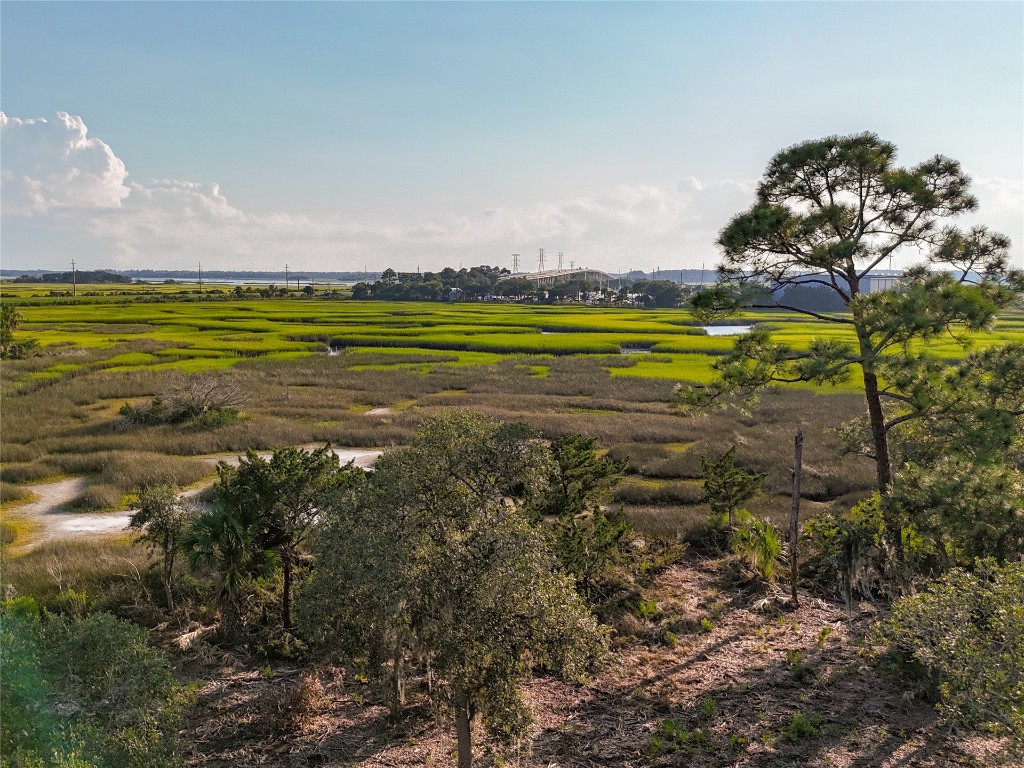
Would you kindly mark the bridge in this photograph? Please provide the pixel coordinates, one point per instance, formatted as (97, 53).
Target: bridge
(552, 276)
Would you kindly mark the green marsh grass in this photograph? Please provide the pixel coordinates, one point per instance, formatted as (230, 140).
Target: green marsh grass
(558, 368)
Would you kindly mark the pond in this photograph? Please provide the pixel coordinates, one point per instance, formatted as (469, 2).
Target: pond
(727, 330)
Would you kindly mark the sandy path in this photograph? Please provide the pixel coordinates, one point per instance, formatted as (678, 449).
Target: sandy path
(49, 508)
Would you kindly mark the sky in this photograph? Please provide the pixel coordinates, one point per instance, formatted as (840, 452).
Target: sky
(342, 136)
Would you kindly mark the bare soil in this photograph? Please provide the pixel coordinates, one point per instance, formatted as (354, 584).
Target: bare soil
(735, 687)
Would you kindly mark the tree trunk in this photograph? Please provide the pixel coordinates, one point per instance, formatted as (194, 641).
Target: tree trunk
(878, 433)
(168, 592)
(398, 680)
(169, 549)
(168, 571)
(463, 723)
(794, 516)
(875, 415)
(286, 597)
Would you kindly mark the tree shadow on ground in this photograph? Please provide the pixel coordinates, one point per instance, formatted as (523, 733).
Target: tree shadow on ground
(804, 702)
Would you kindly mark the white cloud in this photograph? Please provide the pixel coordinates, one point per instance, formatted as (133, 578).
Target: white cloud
(999, 195)
(57, 179)
(54, 164)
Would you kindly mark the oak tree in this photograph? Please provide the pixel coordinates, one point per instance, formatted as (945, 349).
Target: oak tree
(434, 565)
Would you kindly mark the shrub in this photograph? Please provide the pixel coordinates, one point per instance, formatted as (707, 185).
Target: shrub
(83, 692)
(857, 550)
(672, 737)
(967, 629)
(801, 726)
(215, 419)
(758, 544)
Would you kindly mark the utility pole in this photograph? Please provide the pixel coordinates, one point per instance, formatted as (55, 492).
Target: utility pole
(200, 277)
(74, 279)
(286, 277)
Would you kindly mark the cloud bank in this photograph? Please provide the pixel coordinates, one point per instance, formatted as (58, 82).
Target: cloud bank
(67, 195)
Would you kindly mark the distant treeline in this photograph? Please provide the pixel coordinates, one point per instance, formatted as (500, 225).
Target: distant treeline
(485, 281)
(222, 274)
(448, 284)
(81, 276)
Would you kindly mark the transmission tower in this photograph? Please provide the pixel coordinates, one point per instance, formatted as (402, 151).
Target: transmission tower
(515, 263)
(540, 260)
(560, 257)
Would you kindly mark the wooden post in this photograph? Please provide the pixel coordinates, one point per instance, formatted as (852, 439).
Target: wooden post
(794, 515)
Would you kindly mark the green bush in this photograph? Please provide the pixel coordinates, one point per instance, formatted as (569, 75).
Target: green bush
(84, 692)
(967, 629)
(801, 726)
(215, 419)
(858, 550)
(758, 545)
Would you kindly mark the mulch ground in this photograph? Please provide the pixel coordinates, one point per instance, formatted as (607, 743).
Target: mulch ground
(753, 684)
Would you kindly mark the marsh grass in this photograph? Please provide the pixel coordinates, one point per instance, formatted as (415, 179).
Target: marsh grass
(98, 496)
(10, 492)
(28, 472)
(104, 356)
(128, 471)
(642, 491)
(668, 523)
(94, 566)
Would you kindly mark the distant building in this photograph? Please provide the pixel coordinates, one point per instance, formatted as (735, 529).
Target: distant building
(875, 283)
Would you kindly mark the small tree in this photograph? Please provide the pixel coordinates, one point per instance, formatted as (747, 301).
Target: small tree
(10, 321)
(163, 517)
(219, 540)
(827, 213)
(589, 541)
(279, 501)
(579, 479)
(192, 396)
(728, 486)
(435, 563)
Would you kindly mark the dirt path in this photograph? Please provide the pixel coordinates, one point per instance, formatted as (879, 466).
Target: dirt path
(49, 509)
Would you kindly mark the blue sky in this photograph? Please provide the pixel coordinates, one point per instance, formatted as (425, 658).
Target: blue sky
(338, 135)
